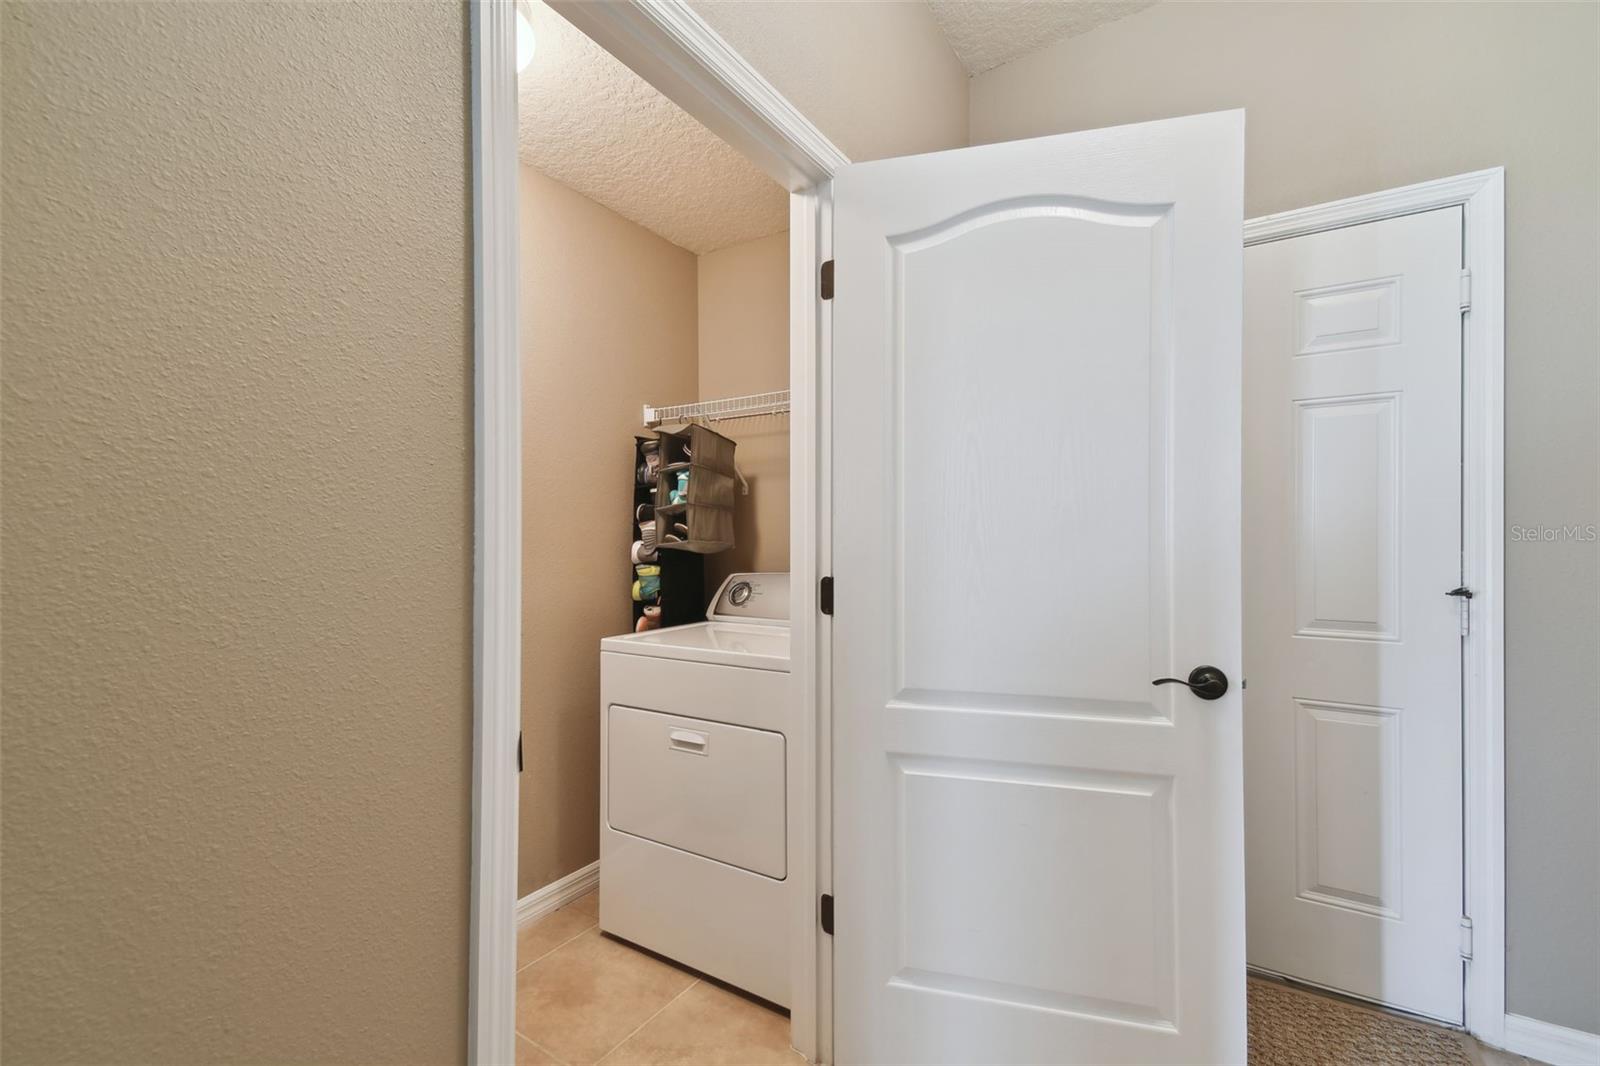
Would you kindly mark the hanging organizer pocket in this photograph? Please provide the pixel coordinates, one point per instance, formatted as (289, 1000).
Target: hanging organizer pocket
(696, 488)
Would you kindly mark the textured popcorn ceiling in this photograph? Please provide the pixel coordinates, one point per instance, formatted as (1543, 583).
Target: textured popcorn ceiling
(986, 33)
(594, 125)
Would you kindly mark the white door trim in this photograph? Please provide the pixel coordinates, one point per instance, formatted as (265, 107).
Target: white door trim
(1481, 195)
(1548, 1042)
(808, 410)
(673, 49)
(497, 538)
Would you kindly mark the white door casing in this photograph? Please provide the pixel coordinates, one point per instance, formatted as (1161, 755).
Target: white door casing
(1036, 408)
(1353, 512)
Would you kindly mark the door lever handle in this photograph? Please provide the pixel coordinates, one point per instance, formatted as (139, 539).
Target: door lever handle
(1207, 682)
(1461, 592)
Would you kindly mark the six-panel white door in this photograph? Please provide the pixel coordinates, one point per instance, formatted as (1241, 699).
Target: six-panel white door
(1036, 414)
(1352, 540)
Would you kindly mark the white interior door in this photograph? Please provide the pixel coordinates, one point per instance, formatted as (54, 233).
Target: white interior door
(1352, 643)
(1038, 855)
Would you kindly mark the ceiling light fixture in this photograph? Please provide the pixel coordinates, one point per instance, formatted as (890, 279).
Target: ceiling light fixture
(525, 41)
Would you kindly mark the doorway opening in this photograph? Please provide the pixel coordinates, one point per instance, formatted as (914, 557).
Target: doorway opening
(656, 454)
(659, 433)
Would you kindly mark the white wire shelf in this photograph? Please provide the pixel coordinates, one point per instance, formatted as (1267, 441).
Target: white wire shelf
(761, 403)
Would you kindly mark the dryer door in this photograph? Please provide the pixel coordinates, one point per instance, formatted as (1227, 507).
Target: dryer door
(708, 788)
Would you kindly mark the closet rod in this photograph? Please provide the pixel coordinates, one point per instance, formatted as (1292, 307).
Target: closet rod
(761, 403)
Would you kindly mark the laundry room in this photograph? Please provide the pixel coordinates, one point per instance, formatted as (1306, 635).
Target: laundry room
(654, 300)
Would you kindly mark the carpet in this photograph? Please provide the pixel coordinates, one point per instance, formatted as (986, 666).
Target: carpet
(1290, 1027)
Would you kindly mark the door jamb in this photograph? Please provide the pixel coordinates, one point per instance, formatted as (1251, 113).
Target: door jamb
(497, 537)
(1481, 196)
(677, 52)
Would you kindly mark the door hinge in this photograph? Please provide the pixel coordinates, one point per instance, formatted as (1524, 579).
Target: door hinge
(1464, 595)
(519, 751)
(825, 913)
(1466, 937)
(1466, 290)
(825, 595)
(827, 280)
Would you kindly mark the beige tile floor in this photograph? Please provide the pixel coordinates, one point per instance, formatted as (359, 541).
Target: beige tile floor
(583, 998)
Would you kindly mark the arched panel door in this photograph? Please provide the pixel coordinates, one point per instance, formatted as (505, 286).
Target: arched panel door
(1036, 416)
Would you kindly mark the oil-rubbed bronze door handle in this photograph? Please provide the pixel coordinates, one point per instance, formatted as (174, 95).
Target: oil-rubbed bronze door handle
(1207, 682)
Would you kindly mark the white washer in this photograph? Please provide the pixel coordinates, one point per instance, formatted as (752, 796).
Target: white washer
(694, 828)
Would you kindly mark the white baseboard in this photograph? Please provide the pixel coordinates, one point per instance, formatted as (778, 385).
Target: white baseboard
(1547, 1042)
(557, 894)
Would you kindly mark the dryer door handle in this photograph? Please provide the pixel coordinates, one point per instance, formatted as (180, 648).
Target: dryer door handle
(690, 741)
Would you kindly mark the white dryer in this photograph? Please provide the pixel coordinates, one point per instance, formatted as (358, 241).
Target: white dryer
(694, 826)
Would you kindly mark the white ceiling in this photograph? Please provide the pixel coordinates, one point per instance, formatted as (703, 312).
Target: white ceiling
(986, 33)
(594, 125)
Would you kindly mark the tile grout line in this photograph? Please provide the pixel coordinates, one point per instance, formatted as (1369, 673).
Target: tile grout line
(558, 947)
(546, 955)
(554, 1057)
(648, 1020)
(551, 1054)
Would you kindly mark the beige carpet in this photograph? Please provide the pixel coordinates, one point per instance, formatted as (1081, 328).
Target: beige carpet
(1291, 1027)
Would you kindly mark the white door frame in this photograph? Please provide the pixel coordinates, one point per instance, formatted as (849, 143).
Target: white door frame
(1481, 196)
(673, 49)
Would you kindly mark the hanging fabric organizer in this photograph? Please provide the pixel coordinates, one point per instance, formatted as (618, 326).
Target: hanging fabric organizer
(667, 588)
(695, 490)
(684, 493)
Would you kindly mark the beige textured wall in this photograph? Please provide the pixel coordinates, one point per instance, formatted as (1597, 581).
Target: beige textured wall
(876, 76)
(1351, 98)
(744, 348)
(237, 532)
(608, 322)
